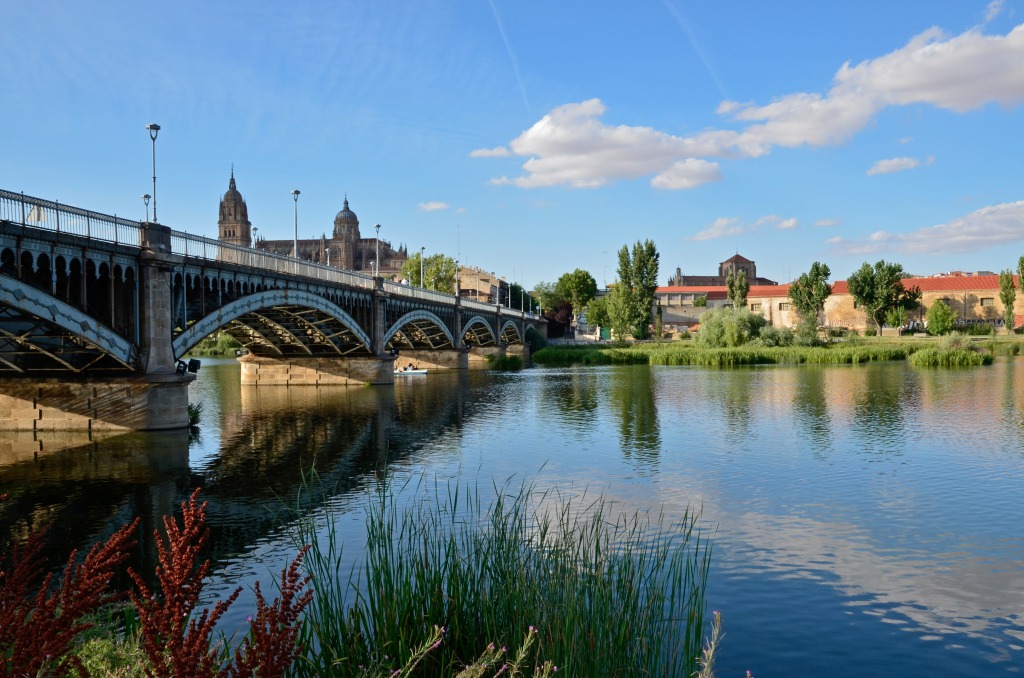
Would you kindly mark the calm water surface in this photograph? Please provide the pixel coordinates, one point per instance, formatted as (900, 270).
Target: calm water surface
(866, 520)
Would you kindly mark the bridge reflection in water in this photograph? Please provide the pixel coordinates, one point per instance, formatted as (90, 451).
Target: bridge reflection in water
(250, 458)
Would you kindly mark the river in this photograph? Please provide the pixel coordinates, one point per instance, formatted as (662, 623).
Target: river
(866, 520)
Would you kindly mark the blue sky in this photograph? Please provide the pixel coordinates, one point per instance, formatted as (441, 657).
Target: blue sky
(531, 138)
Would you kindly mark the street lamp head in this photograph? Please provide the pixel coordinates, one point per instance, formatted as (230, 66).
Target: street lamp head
(154, 129)
(295, 193)
(376, 227)
(145, 198)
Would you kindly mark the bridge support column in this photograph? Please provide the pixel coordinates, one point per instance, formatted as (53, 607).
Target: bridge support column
(478, 355)
(442, 359)
(316, 371)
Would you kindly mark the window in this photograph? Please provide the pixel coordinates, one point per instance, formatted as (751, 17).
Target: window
(988, 301)
(784, 305)
(755, 307)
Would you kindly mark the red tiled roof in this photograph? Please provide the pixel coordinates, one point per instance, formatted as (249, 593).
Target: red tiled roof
(945, 283)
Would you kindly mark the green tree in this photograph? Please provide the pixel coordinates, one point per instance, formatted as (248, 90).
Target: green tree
(620, 313)
(738, 287)
(1007, 295)
(880, 289)
(638, 278)
(940, 318)
(597, 312)
(700, 300)
(439, 272)
(547, 294)
(809, 292)
(578, 288)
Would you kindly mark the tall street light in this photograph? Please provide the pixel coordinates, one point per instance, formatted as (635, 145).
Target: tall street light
(423, 283)
(145, 199)
(154, 129)
(295, 224)
(377, 246)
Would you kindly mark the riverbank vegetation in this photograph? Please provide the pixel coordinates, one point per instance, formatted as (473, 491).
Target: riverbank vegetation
(950, 351)
(217, 345)
(522, 586)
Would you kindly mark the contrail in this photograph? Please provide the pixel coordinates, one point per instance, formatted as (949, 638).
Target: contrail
(511, 56)
(694, 45)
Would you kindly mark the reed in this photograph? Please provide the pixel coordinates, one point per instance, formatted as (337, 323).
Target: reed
(956, 357)
(605, 593)
(504, 363)
(688, 354)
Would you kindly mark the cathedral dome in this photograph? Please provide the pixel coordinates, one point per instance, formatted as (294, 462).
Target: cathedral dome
(232, 194)
(346, 215)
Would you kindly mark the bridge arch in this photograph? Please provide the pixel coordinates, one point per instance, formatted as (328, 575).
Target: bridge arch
(73, 322)
(510, 333)
(427, 328)
(287, 305)
(469, 330)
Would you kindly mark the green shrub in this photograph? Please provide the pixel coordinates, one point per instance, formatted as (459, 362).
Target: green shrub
(724, 327)
(940, 318)
(775, 336)
(980, 330)
(870, 332)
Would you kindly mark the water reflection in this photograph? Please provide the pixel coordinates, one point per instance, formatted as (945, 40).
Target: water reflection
(811, 408)
(631, 400)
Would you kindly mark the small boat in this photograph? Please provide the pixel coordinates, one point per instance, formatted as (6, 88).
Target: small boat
(409, 371)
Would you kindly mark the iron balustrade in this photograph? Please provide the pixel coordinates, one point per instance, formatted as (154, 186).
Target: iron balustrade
(53, 216)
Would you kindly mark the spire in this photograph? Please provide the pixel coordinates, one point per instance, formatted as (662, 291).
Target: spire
(231, 184)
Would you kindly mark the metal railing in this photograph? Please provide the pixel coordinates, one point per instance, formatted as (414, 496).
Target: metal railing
(53, 216)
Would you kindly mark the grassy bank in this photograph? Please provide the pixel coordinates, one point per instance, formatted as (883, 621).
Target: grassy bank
(680, 353)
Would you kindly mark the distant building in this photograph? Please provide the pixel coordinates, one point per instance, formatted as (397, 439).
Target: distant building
(346, 248)
(734, 263)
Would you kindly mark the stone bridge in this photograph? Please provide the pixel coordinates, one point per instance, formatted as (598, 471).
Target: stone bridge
(97, 312)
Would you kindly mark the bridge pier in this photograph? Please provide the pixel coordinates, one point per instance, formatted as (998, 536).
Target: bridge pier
(359, 371)
(441, 359)
(148, 403)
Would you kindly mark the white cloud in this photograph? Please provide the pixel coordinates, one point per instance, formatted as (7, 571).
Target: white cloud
(498, 152)
(777, 221)
(720, 228)
(688, 173)
(572, 146)
(825, 223)
(993, 10)
(433, 206)
(893, 165)
(988, 227)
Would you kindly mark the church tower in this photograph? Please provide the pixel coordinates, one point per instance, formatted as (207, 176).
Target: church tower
(345, 239)
(233, 226)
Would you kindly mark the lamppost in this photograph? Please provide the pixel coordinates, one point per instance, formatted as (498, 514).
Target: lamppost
(154, 129)
(255, 229)
(423, 283)
(295, 224)
(145, 199)
(377, 247)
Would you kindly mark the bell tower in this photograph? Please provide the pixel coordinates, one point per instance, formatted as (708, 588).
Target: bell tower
(233, 227)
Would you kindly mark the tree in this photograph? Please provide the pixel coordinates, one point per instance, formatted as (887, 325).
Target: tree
(620, 314)
(638, 279)
(439, 272)
(597, 312)
(578, 288)
(1007, 295)
(809, 292)
(880, 289)
(738, 287)
(547, 294)
(940, 318)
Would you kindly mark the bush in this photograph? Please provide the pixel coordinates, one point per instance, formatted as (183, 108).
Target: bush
(979, 330)
(940, 318)
(776, 336)
(727, 328)
(870, 332)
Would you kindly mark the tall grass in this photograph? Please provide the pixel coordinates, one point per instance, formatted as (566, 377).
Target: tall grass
(688, 354)
(608, 593)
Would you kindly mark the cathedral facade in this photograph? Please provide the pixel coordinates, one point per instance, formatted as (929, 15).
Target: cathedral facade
(345, 249)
